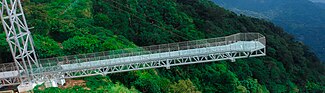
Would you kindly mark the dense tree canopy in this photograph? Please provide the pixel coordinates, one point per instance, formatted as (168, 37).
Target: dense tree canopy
(65, 27)
(302, 18)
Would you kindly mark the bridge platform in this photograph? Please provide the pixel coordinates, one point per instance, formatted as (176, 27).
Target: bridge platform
(242, 45)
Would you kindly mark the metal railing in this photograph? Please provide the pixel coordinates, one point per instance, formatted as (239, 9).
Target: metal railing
(205, 43)
(153, 49)
(7, 67)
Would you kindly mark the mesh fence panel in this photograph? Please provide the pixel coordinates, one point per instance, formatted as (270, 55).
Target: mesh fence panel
(146, 50)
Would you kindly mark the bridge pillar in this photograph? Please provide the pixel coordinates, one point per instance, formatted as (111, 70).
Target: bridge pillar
(51, 83)
(26, 87)
(168, 64)
(233, 60)
(61, 82)
(54, 83)
(39, 82)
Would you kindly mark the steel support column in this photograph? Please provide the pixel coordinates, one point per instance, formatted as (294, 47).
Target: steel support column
(19, 39)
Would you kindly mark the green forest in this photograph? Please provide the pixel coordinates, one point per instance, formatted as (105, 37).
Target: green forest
(67, 27)
(303, 19)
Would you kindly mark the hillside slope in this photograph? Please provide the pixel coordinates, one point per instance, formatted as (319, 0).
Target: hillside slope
(302, 18)
(64, 27)
(319, 1)
(321, 5)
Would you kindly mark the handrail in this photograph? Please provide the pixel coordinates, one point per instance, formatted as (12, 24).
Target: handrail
(80, 58)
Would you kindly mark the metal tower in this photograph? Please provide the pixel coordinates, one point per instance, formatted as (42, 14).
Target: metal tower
(30, 71)
(19, 39)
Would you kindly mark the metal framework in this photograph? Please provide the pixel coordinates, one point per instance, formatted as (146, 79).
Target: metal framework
(241, 45)
(27, 69)
(9, 68)
(19, 39)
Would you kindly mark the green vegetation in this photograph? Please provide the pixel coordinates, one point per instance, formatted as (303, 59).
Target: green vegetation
(64, 27)
(96, 84)
(302, 18)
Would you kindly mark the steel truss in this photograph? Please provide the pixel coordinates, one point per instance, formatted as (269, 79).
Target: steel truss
(10, 81)
(209, 50)
(20, 41)
(232, 56)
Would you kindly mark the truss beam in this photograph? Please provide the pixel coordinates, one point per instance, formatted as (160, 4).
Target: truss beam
(19, 39)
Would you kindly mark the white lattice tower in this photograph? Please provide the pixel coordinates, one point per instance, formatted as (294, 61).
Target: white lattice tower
(19, 39)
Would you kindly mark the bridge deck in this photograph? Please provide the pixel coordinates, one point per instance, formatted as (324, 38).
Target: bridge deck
(231, 47)
(238, 46)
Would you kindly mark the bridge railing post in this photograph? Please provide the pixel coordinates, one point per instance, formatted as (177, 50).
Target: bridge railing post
(187, 46)
(196, 45)
(256, 40)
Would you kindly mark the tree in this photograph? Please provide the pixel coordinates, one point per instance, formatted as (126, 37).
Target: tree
(183, 86)
(47, 47)
(148, 82)
(82, 44)
(5, 54)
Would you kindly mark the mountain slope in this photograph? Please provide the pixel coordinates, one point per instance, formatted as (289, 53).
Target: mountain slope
(321, 5)
(83, 26)
(318, 1)
(302, 18)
